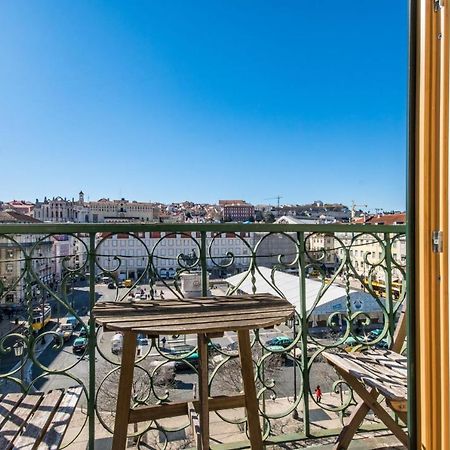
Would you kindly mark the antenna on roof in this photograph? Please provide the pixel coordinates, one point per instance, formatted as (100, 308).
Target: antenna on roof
(278, 197)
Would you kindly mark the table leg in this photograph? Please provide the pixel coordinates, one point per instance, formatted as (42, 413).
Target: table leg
(124, 394)
(251, 401)
(203, 390)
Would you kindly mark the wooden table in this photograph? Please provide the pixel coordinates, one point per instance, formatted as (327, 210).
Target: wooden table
(371, 374)
(207, 317)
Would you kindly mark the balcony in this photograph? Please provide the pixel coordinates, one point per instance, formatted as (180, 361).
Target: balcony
(347, 282)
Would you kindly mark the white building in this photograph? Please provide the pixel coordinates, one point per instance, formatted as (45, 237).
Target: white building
(13, 261)
(60, 209)
(167, 249)
(57, 209)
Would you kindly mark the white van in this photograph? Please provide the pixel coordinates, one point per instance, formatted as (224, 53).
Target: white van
(117, 343)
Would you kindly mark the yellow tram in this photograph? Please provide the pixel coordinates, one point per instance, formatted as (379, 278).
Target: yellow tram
(41, 317)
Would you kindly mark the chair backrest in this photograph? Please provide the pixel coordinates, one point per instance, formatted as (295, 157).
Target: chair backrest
(400, 331)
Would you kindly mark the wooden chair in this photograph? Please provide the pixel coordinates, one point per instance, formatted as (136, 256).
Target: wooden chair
(371, 374)
(36, 421)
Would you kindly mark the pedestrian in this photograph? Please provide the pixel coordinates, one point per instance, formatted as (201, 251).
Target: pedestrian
(163, 340)
(318, 394)
(162, 295)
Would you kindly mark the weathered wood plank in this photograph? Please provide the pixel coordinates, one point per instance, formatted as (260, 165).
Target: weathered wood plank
(195, 426)
(203, 390)
(124, 394)
(17, 419)
(102, 312)
(38, 423)
(218, 403)
(8, 404)
(175, 315)
(251, 401)
(208, 328)
(192, 320)
(374, 376)
(60, 421)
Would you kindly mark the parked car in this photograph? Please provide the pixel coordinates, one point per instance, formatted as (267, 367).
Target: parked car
(184, 363)
(280, 341)
(180, 349)
(65, 330)
(163, 273)
(142, 339)
(73, 321)
(79, 344)
(375, 333)
(84, 332)
(111, 285)
(383, 344)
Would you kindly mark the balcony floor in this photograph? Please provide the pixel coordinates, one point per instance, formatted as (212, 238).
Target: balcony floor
(225, 433)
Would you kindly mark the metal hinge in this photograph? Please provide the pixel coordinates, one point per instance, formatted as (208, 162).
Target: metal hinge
(437, 241)
(438, 5)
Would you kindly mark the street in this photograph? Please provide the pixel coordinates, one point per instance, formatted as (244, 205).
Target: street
(76, 366)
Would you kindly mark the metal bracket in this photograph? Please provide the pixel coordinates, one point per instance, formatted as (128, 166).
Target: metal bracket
(437, 241)
(437, 5)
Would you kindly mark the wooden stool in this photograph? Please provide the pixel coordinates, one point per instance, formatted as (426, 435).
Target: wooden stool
(207, 317)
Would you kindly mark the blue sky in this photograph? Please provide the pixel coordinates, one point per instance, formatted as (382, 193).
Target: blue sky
(204, 100)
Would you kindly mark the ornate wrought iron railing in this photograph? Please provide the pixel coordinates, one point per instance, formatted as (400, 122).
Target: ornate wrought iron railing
(347, 282)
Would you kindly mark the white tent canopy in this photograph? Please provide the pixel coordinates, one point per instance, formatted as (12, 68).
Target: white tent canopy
(333, 298)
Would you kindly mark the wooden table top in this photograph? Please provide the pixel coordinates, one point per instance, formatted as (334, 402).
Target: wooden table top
(383, 370)
(194, 315)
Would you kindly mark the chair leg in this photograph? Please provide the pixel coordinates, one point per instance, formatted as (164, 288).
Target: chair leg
(371, 401)
(124, 394)
(203, 390)
(349, 430)
(251, 401)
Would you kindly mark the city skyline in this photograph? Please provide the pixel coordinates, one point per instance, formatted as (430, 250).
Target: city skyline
(273, 202)
(203, 102)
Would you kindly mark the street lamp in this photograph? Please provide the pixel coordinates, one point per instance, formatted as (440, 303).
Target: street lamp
(18, 351)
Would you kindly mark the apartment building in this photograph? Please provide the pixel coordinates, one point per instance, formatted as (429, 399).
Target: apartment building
(366, 252)
(12, 260)
(236, 210)
(129, 256)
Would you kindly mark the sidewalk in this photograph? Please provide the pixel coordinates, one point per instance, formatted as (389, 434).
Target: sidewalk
(8, 326)
(7, 387)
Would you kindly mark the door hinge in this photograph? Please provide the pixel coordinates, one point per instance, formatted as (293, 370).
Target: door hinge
(437, 241)
(438, 5)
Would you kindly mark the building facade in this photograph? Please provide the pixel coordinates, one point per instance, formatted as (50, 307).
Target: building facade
(128, 256)
(13, 253)
(236, 210)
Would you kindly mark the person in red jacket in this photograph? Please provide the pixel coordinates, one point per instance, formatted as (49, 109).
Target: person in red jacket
(318, 394)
